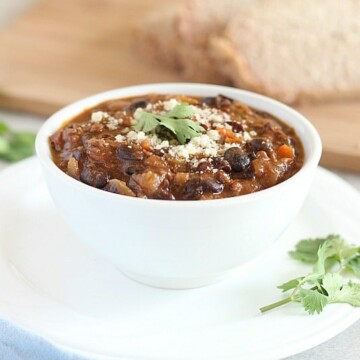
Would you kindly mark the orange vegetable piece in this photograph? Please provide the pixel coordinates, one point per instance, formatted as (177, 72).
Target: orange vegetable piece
(231, 140)
(230, 136)
(146, 144)
(229, 133)
(285, 151)
(221, 131)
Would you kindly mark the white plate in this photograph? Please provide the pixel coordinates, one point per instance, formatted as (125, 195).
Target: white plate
(51, 284)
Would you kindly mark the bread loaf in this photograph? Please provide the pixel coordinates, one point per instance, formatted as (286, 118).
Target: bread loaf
(295, 50)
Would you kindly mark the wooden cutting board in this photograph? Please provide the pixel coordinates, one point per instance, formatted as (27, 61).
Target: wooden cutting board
(63, 50)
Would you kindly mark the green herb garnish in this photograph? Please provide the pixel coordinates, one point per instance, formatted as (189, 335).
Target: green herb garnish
(331, 257)
(177, 121)
(15, 145)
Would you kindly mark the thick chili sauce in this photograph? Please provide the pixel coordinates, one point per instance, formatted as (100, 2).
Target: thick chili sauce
(238, 150)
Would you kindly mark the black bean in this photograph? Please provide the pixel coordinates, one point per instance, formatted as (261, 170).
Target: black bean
(224, 100)
(94, 177)
(237, 159)
(203, 166)
(196, 187)
(237, 127)
(259, 144)
(221, 164)
(248, 173)
(209, 100)
(141, 103)
(123, 152)
(134, 169)
(251, 155)
(213, 186)
(192, 189)
(218, 101)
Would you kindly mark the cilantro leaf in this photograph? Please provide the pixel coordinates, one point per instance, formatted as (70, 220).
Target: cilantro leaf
(354, 265)
(291, 284)
(321, 287)
(349, 293)
(181, 111)
(338, 292)
(332, 283)
(335, 250)
(306, 250)
(339, 248)
(313, 301)
(326, 251)
(3, 128)
(15, 145)
(146, 123)
(177, 121)
(4, 146)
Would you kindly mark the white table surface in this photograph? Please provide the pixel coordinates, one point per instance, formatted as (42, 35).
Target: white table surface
(345, 346)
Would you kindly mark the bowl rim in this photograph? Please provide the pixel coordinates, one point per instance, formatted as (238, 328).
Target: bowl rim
(44, 155)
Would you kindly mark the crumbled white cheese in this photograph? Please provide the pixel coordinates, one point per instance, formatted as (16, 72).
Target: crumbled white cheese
(97, 116)
(163, 145)
(202, 144)
(154, 140)
(213, 135)
(209, 116)
(253, 133)
(210, 152)
(120, 138)
(202, 141)
(170, 104)
(113, 123)
(246, 136)
(136, 136)
(228, 146)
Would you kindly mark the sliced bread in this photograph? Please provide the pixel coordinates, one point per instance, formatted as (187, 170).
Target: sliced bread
(295, 50)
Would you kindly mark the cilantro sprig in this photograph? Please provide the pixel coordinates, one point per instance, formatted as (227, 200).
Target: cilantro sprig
(15, 145)
(177, 121)
(331, 257)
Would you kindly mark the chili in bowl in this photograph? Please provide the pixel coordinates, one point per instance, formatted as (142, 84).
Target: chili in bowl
(178, 184)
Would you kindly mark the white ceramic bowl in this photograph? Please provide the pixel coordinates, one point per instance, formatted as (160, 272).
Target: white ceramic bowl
(179, 244)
